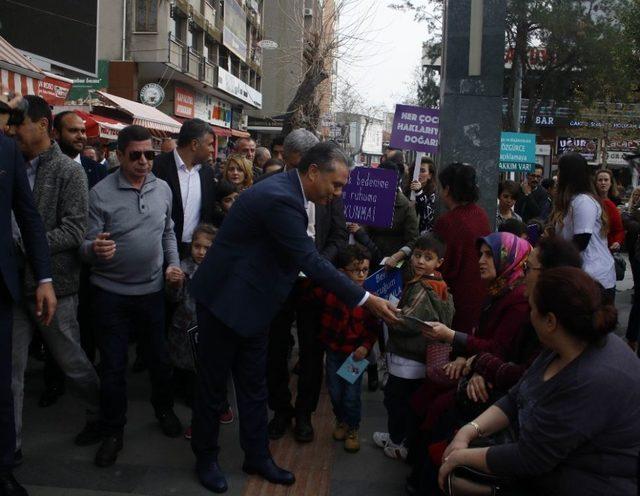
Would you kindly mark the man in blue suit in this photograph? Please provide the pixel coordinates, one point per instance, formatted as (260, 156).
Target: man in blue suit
(15, 194)
(247, 275)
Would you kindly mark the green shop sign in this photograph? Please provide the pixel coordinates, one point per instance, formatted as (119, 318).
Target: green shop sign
(83, 86)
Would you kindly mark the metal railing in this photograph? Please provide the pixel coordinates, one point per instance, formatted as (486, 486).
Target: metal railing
(207, 72)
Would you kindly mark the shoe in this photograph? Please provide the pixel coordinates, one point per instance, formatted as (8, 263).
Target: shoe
(227, 417)
(396, 451)
(211, 476)
(381, 439)
(352, 442)
(107, 454)
(91, 434)
(170, 423)
(187, 433)
(50, 395)
(340, 431)
(372, 378)
(17, 458)
(9, 486)
(267, 469)
(278, 425)
(303, 430)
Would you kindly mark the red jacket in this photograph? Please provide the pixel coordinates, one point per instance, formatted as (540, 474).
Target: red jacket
(460, 228)
(616, 229)
(344, 328)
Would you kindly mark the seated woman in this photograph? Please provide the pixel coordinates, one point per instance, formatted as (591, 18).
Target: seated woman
(577, 408)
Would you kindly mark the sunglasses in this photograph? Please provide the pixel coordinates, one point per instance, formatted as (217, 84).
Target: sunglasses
(136, 155)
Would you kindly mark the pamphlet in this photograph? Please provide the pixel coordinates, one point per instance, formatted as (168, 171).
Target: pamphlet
(350, 370)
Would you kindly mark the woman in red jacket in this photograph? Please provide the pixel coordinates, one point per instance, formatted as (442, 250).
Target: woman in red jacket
(608, 191)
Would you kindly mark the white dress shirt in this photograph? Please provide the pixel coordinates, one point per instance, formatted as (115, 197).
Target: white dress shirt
(191, 195)
(78, 159)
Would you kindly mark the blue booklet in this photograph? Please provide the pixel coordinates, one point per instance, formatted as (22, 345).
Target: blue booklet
(350, 370)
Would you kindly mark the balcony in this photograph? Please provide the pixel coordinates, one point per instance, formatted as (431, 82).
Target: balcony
(186, 60)
(193, 64)
(177, 54)
(207, 73)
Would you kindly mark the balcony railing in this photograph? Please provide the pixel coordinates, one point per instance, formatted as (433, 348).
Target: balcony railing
(193, 64)
(177, 54)
(207, 72)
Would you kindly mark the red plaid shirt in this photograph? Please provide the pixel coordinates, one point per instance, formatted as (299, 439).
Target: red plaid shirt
(343, 328)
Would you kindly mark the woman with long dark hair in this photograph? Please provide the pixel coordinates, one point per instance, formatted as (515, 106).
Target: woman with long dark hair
(426, 194)
(578, 215)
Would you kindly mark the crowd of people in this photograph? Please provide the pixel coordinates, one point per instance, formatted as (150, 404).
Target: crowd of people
(499, 365)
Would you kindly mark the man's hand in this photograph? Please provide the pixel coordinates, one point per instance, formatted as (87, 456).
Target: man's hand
(46, 302)
(353, 228)
(360, 353)
(103, 247)
(454, 369)
(392, 261)
(174, 276)
(383, 309)
(478, 389)
(615, 246)
(438, 332)
(526, 189)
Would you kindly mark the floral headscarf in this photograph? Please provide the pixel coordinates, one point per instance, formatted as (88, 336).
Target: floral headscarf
(509, 255)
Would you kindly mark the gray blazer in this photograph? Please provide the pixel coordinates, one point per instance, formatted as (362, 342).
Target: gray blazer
(61, 195)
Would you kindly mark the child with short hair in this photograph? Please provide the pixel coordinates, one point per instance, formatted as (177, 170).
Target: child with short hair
(226, 195)
(425, 297)
(346, 331)
(508, 193)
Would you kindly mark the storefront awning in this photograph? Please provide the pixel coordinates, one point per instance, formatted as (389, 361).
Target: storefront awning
(144, 115)
(100, 127)
(17, 73)
(240, 134)
(221, 131)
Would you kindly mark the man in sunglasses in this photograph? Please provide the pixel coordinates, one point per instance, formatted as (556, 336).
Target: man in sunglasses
(130, 238)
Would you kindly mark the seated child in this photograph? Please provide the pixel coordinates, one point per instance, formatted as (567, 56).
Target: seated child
(226, 194)
(346, 331)
(425, 297)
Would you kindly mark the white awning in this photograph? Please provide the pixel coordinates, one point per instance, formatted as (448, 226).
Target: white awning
(144, 115)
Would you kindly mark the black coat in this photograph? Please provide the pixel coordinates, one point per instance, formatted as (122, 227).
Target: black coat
(164, 167)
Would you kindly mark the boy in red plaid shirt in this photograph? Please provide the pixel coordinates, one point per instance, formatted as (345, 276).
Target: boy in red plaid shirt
(346, 331)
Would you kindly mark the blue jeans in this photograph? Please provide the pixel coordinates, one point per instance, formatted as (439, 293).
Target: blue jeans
(345, 397)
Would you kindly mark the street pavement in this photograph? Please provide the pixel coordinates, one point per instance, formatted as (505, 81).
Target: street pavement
(153, 465)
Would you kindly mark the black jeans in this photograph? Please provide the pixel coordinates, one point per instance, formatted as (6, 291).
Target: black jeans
(397, 393)
(7, 426)
(116, 318)
(222, 351)
(310, 359)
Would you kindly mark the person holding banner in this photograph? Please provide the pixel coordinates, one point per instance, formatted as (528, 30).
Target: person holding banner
(426, 197)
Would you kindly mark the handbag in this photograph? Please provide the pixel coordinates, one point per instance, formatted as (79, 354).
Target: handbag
(620, 265)
(466, 481)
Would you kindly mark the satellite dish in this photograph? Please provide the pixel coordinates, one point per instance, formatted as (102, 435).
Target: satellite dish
(267, 44)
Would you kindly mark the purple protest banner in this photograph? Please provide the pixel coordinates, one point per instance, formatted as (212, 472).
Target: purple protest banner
(369, 196)
(415, 128)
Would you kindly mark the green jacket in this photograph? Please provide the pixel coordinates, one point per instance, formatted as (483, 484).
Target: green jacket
(420, 300)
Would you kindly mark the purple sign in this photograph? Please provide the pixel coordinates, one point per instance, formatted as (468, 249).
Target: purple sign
(415, 128)
(369, 196)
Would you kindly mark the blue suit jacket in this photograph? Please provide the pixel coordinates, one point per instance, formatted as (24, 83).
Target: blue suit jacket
(15, 194)
(258, 254)
(95, 171)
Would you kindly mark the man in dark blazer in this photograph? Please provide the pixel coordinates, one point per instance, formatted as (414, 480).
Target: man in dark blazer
(245, 278)
(15, 194)
(191, 180)
(535, 201)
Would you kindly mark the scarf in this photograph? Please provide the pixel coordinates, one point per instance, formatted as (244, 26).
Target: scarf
(509, 254)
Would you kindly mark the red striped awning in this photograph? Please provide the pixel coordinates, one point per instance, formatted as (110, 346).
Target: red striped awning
(144, 115)
(17, 73)
(101, 127)
(18, 83)
(221, 131)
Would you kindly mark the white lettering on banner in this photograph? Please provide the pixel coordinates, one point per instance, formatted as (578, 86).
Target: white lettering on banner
(368, 181)
(363, 213)
(420, 140)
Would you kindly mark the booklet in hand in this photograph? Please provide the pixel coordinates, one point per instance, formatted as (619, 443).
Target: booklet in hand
(350, 370)
(414, 323)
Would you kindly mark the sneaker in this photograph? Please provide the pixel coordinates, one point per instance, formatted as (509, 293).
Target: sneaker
(381, 439)
(227, 417)
(396, 451)
(340, 431)
(352, 442)
(187, 433)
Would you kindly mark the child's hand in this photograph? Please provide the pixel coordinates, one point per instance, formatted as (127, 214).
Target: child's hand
(360, 353)
(438, 332)
(353, 228)
(174, 276)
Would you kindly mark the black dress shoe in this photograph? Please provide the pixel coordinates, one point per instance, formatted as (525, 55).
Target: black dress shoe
(50, 395)
(372, 376)
(303, 431)
(108, 452)
(9, 485)
(91, 434)
(267, 469)
(278, 426)
(18, 459)
(169, 423)
(211, 476)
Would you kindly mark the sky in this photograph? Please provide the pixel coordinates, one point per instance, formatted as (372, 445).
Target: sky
(385, 57)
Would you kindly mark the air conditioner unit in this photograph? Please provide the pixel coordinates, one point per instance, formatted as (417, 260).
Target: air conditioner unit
(308, 12)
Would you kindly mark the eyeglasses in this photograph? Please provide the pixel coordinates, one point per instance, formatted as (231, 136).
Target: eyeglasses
(526, 267)
(362, 272)
(136, 155)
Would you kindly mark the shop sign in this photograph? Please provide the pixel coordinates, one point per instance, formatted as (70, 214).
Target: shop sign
(54, 91)
(212, 110)
(82, 87)
(517, 152)
(616, 158)
(234, 31)
(625, 145)
(587, 147)
(415, 128)
(237, 87)
(152, 94)
(183, 103)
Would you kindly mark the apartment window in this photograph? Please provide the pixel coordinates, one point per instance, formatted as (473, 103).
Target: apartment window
(146, 16)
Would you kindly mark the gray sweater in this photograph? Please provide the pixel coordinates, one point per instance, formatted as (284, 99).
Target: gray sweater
(60, 192)
(578, 432)
(140, 223)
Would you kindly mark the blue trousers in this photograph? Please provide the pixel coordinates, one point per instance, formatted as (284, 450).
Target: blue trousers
(345, 397)
(7, 426)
